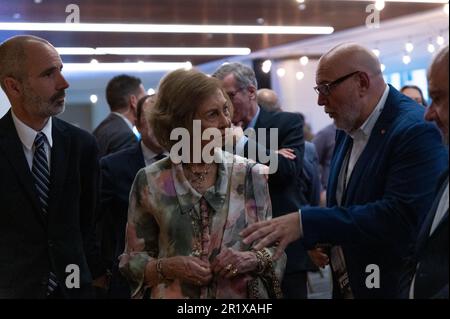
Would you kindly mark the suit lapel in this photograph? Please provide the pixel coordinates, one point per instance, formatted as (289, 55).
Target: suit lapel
(138, 158)
(13, 150)
(335, 168)
(376, 139)
(426, 226)
(59, 159)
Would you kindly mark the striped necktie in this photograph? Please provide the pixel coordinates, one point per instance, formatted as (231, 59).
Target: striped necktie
(41, 175)
(40, 171)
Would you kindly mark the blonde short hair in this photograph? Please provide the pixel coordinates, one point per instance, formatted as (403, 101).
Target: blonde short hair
(180, 93)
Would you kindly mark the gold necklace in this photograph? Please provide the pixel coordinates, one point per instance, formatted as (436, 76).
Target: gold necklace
(197, 178)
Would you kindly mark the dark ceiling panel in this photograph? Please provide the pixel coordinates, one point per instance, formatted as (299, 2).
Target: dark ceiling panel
(338, 14)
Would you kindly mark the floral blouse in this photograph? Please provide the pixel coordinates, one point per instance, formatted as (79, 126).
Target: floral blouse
(167, 217)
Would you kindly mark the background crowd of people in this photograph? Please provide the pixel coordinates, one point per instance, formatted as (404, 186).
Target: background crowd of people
(369, 190)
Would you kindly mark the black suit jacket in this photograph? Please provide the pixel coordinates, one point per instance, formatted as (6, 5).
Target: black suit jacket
(431, 255)
(32, 245)
(284, 186)
(113, 134)
(118, 172)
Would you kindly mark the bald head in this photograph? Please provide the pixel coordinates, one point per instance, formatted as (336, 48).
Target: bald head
(350, 84)
(439, 93)
(440, 63)
(13, 56)
(352, 57)
(268, 99)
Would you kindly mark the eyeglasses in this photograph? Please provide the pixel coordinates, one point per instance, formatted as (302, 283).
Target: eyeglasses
(232, 94)
(325, 89)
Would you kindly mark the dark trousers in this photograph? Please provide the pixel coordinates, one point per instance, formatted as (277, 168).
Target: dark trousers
(294, 285)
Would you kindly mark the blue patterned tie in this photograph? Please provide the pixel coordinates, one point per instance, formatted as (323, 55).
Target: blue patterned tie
(41, 172)
(41, 175)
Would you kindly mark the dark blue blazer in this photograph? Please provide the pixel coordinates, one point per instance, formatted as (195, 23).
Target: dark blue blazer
(388, 195)
(118, 172)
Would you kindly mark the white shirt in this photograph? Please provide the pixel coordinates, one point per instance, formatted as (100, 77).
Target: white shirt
(27, 135)
(240, 145)
(360, 138)
(441, 210)
(123, 117)
(149, 155)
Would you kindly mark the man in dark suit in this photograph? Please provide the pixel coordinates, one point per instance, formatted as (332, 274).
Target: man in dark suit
(429, 268)
(294, 283)
(48, 185)
(118, 172)
(115, 132)
(239, 82)
(386, 162)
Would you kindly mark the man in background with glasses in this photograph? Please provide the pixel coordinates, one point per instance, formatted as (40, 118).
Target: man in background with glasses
(239, 82)
(382, 177)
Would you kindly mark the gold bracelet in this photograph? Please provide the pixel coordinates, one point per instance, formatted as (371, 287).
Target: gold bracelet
(161, 276)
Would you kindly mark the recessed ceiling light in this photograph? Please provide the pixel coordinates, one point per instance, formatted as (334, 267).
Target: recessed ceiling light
(125, 67)
(166, 28)
(152, 51)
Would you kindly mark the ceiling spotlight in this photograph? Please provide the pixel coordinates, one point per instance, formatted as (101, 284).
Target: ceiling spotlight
(376, 52)
(300, 1)
(188, 65)
(266, 66)
(93, 98)
(300, 75)
(37, 1)
(409, 46)
(379, 5)
(431, 47)
(440, 40)
(406, 59)
(304, 60)
(260, 21)
(281, 72)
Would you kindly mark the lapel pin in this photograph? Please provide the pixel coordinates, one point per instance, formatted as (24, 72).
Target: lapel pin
(383, 131)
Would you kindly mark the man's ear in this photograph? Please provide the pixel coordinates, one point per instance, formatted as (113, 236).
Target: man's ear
(133, 102)
(363, 82)
(252, 92)
(13, 87)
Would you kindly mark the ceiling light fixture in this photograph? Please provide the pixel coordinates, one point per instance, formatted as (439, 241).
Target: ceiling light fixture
(281, 72)
(126, 67)
(379, 5)
(266, 66)
(166, 28)
(410, 1)
(304, 60)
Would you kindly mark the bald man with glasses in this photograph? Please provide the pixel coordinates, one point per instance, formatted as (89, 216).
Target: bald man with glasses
(382, 176)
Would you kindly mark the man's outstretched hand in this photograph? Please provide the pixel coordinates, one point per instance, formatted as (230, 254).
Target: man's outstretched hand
(280, 231)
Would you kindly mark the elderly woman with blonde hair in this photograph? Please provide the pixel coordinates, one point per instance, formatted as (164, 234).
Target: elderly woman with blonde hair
(184, 218)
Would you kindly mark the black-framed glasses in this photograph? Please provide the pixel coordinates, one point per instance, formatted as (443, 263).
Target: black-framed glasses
(325, 89)
(232, 94)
